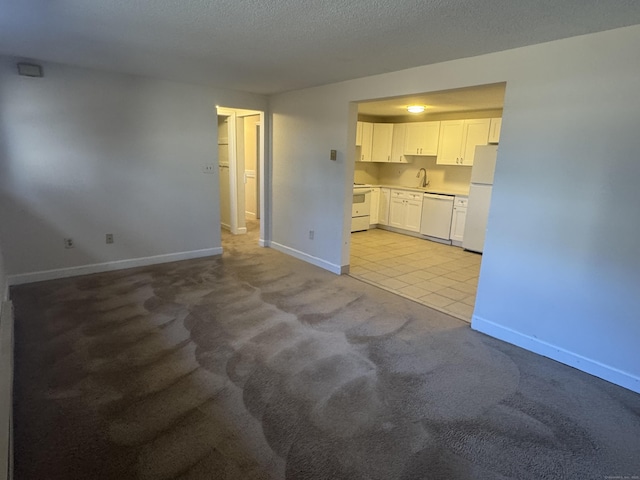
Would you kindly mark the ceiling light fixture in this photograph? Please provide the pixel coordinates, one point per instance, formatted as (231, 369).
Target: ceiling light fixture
(415, 108)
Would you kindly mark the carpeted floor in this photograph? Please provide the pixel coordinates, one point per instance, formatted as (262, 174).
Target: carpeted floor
(255, 365)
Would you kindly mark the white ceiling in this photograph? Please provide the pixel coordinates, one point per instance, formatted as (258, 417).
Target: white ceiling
(268, 46)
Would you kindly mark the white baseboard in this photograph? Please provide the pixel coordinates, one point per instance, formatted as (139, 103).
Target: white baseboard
(263, 243)
(592, 367)
(242, 230)
(318, 262)
(31, 277)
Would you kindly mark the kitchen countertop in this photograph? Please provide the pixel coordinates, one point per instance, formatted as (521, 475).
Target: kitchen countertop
(441, 191)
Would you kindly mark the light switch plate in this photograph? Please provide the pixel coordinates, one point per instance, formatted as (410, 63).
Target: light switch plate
(334, 155)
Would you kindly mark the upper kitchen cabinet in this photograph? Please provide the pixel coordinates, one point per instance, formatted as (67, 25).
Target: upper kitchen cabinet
(364, 135)
(459, 138)
(381, 142)
(422, 138)
(494, 130)
(397, 144)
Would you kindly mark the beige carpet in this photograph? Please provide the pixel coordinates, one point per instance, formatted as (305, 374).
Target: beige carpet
(257, 366)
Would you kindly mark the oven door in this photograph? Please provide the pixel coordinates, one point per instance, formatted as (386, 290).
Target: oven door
(360, 205)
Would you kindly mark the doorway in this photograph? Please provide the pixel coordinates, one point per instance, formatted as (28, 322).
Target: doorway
(241, 171)
(397, 249)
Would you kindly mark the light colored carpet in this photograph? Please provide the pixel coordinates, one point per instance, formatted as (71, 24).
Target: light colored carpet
(255, 365)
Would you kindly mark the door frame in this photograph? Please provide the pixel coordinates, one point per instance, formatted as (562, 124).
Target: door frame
(262, 173)
(233, 162)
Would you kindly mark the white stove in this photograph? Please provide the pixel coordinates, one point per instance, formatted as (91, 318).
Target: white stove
(361, 208)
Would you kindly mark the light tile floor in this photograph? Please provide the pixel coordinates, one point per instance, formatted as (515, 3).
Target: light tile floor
(439, 276)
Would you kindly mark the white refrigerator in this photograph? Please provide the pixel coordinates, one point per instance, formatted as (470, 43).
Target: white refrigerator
(475, 227)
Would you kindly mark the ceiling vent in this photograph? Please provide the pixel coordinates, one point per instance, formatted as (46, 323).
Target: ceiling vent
(30, 70)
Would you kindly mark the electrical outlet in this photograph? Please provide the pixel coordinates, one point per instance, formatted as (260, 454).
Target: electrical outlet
(311, 234)
(109, 237)
(208, 168)
(68, 243)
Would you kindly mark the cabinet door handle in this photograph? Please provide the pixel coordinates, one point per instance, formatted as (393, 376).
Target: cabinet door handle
(388, 158)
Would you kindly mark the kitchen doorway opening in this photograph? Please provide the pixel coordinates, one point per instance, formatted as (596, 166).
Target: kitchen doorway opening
(417, 170)
(241, 167)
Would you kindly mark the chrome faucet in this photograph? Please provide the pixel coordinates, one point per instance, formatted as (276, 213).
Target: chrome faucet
(425, 182)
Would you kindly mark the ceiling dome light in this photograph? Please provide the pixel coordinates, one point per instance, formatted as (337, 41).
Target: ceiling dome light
(415, 108)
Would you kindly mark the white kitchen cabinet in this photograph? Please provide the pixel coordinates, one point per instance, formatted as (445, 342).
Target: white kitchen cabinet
(458, 219)
(405, 211)
(459, 138)
(382, 138)
(414, 212)
(365, 142)
(495, 126)
(358, 134)
(397, 143)
(397, 212)
(375, 206)
(422, 138)
(383, 207)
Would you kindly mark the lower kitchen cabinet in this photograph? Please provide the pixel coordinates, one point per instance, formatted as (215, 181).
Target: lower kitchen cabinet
(458, 220)
(374, 214)
(383, 206)
(405, 210)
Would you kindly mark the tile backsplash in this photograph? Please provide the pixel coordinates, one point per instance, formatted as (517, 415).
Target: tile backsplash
(404, 174)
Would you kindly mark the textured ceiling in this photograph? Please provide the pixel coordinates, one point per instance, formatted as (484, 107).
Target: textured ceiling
(268, 46)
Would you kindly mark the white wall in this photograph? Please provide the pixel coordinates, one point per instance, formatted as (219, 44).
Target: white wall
(560, 271)
(86, 152)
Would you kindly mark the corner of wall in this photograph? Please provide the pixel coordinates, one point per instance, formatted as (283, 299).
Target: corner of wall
(6, 389)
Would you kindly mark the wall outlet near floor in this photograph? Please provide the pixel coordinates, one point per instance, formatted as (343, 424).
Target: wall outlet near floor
(208, 168)
(109, 237)
(68, 243)
(311, 234)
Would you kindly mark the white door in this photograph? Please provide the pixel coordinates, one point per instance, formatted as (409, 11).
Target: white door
(397, 213)
(381, 142)
(367, 138)
(397, 143)
(494, 130)
(223, 172)
(251, 137)
(450, 142)
(457, 224)
(413, 215)
(476, 133)
(374, 207)
(383, 211)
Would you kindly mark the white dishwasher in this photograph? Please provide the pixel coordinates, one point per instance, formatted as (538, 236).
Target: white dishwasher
(436, 215)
